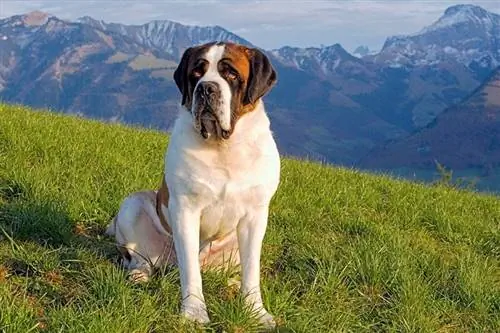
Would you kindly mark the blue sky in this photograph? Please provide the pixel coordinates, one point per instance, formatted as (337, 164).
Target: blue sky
(266, 23)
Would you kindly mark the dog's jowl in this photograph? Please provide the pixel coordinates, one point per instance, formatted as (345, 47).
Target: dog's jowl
(221, 170)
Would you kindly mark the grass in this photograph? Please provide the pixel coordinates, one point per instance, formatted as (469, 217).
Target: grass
(344, 251)
(471, 177)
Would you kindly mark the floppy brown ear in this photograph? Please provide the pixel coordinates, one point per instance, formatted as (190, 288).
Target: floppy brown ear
(262, 76)
(181, 75)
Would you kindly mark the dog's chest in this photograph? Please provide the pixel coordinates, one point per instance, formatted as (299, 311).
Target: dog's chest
(225, 184)
(232, 191)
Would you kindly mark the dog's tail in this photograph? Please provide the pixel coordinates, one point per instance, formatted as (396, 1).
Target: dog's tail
(111, 230)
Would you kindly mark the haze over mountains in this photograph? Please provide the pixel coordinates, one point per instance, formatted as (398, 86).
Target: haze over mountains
(328, 103)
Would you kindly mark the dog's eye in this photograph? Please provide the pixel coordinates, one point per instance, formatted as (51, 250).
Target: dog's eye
(199, 69)
(197, 73)
(231, 74)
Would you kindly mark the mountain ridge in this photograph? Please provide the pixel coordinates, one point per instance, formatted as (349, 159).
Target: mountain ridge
(328, 103)
(175, 34)
(473, 39)
(459, 9)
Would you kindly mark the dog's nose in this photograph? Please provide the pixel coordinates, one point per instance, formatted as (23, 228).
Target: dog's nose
(207, 88)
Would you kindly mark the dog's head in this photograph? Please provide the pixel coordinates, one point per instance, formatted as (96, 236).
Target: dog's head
(220, 82)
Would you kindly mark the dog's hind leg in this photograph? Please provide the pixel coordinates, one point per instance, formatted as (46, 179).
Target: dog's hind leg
(142, 246)
(139, 270)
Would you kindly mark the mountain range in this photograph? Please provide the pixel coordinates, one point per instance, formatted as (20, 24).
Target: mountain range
(328, 104)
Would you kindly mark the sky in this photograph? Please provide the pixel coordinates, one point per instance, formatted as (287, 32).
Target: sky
(266, 23)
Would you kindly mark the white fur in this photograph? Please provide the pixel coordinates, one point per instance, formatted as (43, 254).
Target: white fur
(213, 56)
(218, 188)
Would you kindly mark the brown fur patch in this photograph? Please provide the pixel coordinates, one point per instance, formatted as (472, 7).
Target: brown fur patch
(239, 57)
(162, 199)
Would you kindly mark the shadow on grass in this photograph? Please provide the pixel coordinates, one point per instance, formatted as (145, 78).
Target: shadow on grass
(46, 223)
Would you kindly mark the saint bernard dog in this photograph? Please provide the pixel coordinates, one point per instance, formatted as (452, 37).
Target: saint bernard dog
(222, 167)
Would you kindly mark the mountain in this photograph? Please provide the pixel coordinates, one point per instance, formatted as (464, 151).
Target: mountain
(328, 104)
(323, 61)
(167, 36)
(75, 68)
(123, 73)
(441, 63)
(466, 34)
(348, 75)
(415, 77)
(465, 136)
(362, 51)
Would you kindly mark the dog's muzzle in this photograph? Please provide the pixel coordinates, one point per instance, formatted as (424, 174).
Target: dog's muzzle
(208, 102)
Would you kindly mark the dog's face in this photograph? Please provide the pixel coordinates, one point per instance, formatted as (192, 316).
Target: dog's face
(220, 82)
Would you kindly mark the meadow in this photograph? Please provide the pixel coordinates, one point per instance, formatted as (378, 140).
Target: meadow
(345, 251)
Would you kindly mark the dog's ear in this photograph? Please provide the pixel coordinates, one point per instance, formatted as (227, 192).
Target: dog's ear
(262, 76)
(181, 74)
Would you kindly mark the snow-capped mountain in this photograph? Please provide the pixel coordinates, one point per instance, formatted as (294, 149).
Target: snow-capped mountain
(362, 51)
(75, 68)
(168, 36)
(467, 34)
(348, 74)
(324, 60)
(20, 30)
(24, 31)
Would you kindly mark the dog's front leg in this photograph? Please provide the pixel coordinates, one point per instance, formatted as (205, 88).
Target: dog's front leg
(186, 234)
(251, 230)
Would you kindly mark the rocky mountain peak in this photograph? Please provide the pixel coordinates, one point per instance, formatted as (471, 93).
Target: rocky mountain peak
(466, 9)
(467, 34)
(464, 14)
(361, 50)
(36, 18)
(322, 60)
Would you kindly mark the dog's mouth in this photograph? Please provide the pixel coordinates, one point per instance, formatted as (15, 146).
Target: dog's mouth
(208, 124)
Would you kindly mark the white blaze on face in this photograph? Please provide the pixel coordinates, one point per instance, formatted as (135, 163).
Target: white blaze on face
(213, 56)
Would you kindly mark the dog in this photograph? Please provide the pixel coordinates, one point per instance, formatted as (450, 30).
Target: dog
(221, 170)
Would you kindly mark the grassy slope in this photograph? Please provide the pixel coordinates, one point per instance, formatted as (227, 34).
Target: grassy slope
(344, 251)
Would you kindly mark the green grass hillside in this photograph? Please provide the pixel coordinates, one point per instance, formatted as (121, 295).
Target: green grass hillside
(344, 251)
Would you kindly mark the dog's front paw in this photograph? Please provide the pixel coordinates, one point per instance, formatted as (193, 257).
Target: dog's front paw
(265, 319)
(254, 302)
(260, 313)
(195, 311)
